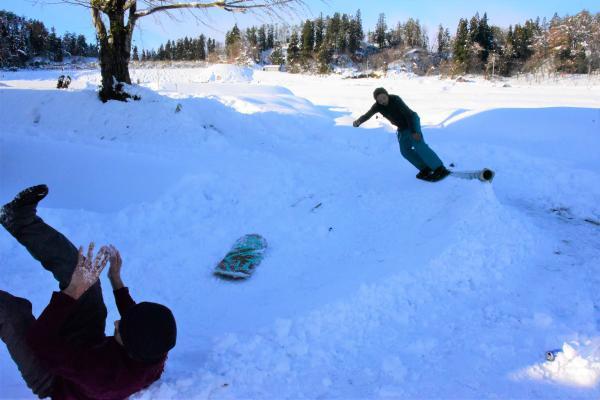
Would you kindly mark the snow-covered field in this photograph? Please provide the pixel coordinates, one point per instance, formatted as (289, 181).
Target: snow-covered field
(375, 285)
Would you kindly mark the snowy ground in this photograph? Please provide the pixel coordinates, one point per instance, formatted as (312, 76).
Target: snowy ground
(376, 285)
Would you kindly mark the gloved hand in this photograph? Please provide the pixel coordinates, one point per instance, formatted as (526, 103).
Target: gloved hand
(356, 124)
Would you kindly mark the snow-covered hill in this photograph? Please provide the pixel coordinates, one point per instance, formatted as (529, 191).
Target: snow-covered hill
(376, 285)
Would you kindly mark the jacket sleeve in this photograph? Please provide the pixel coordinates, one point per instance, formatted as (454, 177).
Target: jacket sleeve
(123, 300)
(374, 109)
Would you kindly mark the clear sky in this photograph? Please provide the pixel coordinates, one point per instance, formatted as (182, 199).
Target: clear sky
(157, 28)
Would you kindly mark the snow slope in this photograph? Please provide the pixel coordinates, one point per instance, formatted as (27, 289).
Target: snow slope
(375, 285)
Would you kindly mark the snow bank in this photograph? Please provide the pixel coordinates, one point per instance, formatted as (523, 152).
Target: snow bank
(217, 73)
(378, 341)
(557, 144)
(229, 73)
(577, 364)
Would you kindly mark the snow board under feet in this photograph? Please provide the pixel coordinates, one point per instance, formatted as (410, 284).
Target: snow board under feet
(243, 258)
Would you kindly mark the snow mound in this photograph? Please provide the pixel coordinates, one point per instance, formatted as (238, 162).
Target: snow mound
(575, 365)
(174, 79)
(228, 73)
(364, 346)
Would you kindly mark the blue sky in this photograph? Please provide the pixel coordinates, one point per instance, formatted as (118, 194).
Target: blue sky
(155, 30)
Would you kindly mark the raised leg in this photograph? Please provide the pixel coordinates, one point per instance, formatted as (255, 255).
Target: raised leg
(58, 255)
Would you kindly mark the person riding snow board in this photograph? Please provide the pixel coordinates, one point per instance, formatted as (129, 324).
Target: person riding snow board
(410, 136)
(64, 354)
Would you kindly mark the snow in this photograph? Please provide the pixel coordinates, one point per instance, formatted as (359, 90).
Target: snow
(221, 73)
(570, 367)
(375, 284)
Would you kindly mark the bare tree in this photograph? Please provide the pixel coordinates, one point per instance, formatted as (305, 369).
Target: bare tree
(115, 42)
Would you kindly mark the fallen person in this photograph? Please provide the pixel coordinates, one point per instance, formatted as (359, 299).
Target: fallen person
(64, 354)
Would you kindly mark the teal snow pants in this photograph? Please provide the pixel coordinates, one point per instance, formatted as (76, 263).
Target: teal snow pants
(417, 152)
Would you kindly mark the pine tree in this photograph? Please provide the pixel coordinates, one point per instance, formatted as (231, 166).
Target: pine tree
(277, 54)
(188, 49)
(136, 56)
(485, 38)
(55, 46)
(82, 46)
(474, 28)
(380, 30)
(168, 52)
(342, 37)
(461, 47)
(262, 38)
(201, 50)
(333, 31)
(308, 40)
(356, 33)
(233, 43)
(251, 44)
(270, 37)
(325, 58)
(395, 36)
(319, 32)
(414, 35)
(293, 53)
(38, 37)
(443, 43)
(69, 44)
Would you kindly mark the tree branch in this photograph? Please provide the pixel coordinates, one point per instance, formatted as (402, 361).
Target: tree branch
(227, 5)
(98, 24)
(132, 19)
(129, 4)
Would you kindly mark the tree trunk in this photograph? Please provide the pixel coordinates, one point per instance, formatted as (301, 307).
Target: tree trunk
(115, 52)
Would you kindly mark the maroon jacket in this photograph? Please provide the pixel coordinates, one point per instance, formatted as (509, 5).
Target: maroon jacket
(103, 371)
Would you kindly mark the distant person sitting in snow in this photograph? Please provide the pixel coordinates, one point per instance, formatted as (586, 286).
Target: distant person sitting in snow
(63, 83)
(410, 136)
(64, 354)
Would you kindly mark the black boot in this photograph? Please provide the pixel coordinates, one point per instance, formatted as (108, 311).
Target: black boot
(424, 174)
(439, 174)
(28, 198)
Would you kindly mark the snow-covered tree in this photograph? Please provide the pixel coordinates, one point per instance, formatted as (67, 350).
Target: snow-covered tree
(443, 43)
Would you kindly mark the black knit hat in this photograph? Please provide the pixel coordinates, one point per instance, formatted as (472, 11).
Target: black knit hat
(148, 331)
(379, 91)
